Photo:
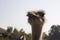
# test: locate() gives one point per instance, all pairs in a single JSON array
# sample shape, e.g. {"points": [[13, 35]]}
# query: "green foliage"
{"points": [[54, 33], [9, 29], [15, 33], [28, 37], [45, 36]]}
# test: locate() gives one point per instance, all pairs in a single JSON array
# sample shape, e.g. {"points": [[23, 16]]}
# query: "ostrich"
{"points": [[36, 20]]}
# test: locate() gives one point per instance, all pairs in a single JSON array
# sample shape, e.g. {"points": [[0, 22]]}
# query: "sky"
{"points": [[13, 13]]}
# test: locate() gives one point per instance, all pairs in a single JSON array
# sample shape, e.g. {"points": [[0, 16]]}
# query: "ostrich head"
{"points": [[36, 15]]}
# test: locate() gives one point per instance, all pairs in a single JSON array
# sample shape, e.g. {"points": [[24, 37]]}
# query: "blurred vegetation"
{"points": [[14, 34], [54, 33]]}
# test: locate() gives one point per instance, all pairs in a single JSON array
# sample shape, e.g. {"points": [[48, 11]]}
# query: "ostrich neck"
{"points": [[36, 31]]}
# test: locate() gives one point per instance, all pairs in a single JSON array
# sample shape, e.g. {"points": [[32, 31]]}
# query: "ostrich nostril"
{"points": [[28, 14]]}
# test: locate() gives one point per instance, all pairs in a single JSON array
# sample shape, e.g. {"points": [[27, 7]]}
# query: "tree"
{"points": [[9, 29], [45, 36], [15, 31], [28, 36], [22, 32], [54, 33]]}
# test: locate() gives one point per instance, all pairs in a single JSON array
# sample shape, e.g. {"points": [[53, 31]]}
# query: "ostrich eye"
{"points": [[41, 14]]}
